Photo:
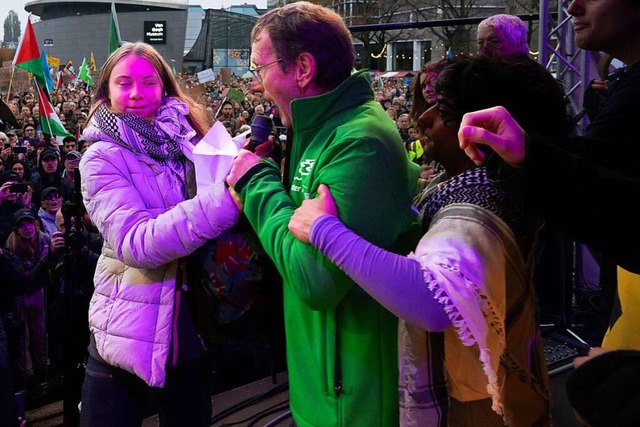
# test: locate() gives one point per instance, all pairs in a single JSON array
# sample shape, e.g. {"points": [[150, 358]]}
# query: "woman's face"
{"points": [[428, 86], [135, 87], [19, 169], [27, 229]]}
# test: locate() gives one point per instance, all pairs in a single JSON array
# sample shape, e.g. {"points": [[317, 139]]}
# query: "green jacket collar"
{"points": [[314, 110]]}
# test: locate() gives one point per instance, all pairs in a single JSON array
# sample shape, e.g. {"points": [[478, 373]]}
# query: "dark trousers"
{"points": [[112, 397]]}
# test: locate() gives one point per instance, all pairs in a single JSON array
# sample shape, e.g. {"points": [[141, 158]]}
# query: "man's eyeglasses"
{"points": [[255, 70]]}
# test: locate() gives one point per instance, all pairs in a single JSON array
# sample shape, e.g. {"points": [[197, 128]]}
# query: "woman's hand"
{"points": [[302, 220]]}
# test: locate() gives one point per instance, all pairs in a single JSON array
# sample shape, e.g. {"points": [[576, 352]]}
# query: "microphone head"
{"points": [[261, 128]]}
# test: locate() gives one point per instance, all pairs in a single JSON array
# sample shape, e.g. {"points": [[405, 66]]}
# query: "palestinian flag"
{"points": [[49, 120], [28, 55]]}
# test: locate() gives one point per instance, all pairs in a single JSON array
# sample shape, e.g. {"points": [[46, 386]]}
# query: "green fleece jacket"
{"points": [[341, 344]]}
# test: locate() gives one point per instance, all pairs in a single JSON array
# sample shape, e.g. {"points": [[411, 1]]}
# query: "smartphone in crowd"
{"points": [[19, 187]]}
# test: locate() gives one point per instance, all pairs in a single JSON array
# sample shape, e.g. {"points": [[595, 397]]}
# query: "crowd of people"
{"points": [[414, 304]]}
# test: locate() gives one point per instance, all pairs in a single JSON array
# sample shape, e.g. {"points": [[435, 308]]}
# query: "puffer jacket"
{"points": [[148, 225]]}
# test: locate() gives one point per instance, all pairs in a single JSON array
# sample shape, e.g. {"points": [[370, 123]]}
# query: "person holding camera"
{"points": [[71, 264], [14, 195]]}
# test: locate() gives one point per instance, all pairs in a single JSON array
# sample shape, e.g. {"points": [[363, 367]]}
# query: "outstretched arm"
{"points": [[395, 281]]}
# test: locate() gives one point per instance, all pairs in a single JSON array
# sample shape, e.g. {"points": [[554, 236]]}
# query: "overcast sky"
{"points": [[18, 7]]}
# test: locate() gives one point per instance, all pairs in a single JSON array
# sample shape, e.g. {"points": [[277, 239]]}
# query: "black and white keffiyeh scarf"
{"points": [[475, 187], [159, 139]]}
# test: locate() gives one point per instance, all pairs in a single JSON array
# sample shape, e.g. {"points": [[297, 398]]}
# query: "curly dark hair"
{"points": [[535, 99]]}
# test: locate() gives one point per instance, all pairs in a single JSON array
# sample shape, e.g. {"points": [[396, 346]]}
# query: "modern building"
{"points": [[224, 40], [73, 29]]}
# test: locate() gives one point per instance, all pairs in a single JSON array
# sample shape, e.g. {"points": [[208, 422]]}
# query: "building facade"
{"points": [[72, 30]]}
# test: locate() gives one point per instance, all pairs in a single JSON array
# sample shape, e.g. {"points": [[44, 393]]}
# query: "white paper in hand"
{"points": [[213, 156]]}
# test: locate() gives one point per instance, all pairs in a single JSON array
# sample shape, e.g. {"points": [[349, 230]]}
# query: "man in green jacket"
{"points": [[341, 344]]}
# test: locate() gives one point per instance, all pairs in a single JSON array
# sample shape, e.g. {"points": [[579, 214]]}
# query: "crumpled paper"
{"points": [[214, 154]]}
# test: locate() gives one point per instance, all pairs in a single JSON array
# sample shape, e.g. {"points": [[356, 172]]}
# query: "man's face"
{"points": [[604, 25], [69, 146], [277, 86], [30, 131], [403, 122], [493, 44], [50, 165], [440, 135], [227, 110]]}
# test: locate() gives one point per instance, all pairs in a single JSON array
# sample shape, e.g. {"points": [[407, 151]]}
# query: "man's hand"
{"points": [[244, 161], [26, 198], [496, 128], [57, 243], [4, 190], [601, 86], [310, 210]]}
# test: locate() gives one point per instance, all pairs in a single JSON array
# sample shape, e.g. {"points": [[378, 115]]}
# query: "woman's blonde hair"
{"points": [[197, 116]]}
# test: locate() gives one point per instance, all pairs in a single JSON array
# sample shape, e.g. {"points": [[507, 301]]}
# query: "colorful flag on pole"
{"points": [[48, 81], [59, 80], [92, 64], [68, 70], [84, 74], [114, 31], [49, 120], [28, 55]]}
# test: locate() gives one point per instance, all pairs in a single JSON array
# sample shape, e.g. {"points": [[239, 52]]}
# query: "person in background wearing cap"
{"points": [[71, 162], [13, 137], [10, 202], [50, 175], [25, 246], [50, 203]]}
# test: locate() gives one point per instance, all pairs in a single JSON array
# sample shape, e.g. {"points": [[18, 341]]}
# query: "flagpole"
{"points": [[13, 69]]}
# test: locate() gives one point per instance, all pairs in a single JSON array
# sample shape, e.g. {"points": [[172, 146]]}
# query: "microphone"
{"points": [[261, 128]]}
